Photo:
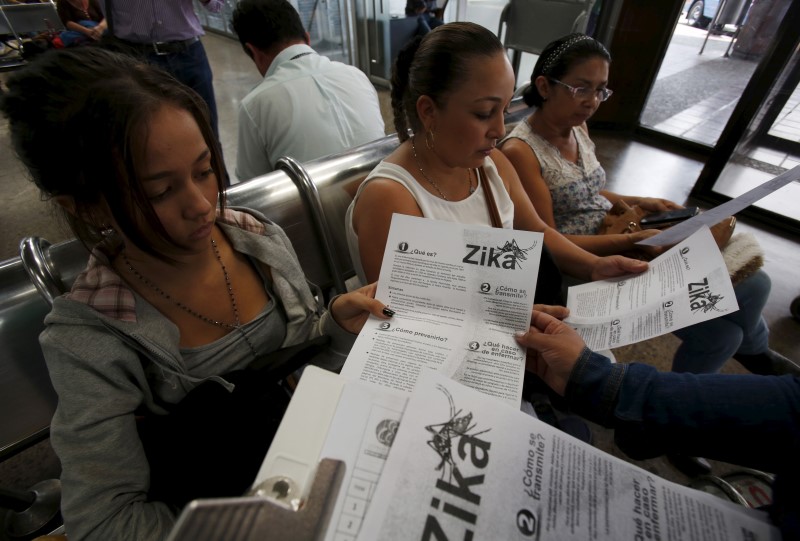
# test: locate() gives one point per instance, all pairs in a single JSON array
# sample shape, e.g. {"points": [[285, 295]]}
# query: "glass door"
{"points": [[762, 138], [714, 50], [372, 35], [727, 86]]}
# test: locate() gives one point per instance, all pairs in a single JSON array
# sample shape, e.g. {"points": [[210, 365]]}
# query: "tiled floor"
{"points": [[704, 121], [716, 85], [787, 125]]}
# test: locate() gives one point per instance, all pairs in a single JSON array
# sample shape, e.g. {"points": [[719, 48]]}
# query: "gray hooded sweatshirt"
{"points": [[95, 340]]}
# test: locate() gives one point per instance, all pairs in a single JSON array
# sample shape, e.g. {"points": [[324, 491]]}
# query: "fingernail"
{"points": [[520, 334], [388, 312]]}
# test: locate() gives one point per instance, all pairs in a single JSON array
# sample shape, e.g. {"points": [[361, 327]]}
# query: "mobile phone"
{"points": [[668, 218]]}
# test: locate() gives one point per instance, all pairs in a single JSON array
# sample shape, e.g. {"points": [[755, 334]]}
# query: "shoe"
{"points": [[795, 308], [690, 466], [769, 363]]}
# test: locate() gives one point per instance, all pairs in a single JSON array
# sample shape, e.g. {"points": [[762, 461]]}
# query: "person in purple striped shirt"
{"points": [[167, 34]]}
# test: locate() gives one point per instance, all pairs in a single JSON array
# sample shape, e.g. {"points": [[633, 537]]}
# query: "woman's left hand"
{"points": [[616, 265], [352, 309]]}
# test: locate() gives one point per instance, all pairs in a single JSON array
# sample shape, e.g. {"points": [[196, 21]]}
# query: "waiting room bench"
{"points": [[327, 186], [27, 399], [29, 283], [308, 201]]}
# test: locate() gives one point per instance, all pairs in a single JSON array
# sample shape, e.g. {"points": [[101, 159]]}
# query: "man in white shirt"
{"points": [[307, 106]]}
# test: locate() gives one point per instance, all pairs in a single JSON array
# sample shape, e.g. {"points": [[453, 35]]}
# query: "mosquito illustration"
{"points": [[713, 300], [444, 434], [520, 254]]}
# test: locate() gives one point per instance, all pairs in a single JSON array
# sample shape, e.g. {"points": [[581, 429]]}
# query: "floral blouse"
{"points": [[578, 207]]}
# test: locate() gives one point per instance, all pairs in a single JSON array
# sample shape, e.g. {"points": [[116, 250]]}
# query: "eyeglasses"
{"points": [[585, 93]]}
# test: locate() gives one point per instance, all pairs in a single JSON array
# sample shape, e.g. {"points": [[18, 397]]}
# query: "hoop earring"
{"points": [[430, 142]]}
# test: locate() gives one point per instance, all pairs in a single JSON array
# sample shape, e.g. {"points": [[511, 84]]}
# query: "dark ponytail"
{"points": [[400, 71], [434, 66]]}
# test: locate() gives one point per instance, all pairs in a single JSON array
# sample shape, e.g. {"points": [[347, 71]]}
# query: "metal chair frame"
{"points": [[531, 24]]}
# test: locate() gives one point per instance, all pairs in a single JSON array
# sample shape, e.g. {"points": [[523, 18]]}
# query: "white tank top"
{"points": [[472, 210]]}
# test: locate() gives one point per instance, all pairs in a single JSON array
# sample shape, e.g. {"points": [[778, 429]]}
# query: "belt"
{"points": [[162, 48]]}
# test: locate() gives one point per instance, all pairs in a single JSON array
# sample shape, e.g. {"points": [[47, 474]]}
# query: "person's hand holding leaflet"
{"points": [[553, 349], [352, 309]]}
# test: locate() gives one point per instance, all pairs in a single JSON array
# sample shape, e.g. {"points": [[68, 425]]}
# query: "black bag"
{"points": [[212, 443], [549, 281], [34, 47]]}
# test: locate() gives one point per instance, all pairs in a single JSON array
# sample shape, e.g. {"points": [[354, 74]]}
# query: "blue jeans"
{"points": [[192, 69], [706, 346], [72, 38]]}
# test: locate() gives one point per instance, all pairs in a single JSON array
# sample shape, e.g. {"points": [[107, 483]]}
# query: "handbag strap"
{"points": [[548, 285], [494, 214]]}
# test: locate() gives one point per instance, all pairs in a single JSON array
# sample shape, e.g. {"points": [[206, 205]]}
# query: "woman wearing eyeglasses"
{"points": [[555, 160], [553, 154]]}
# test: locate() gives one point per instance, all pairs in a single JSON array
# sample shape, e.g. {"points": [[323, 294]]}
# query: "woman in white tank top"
{"points": [[451, 88]]}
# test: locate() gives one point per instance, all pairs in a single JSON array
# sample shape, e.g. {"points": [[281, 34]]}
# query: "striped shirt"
{"points": [[147, 21]]}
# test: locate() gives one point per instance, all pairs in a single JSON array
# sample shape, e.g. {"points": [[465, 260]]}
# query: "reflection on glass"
{"points": [[707, 65], [770, 146], [694, 94]]}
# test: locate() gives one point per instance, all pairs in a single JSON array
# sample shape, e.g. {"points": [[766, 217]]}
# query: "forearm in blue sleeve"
{"points": [[593, 387], [745, 419]]}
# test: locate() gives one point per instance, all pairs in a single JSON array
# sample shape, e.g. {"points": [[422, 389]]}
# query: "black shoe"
{"points": [[690, 466], [795, 308], [769, 363]]}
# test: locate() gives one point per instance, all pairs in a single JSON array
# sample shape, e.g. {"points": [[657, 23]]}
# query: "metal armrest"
{"points": [[34, 253]]}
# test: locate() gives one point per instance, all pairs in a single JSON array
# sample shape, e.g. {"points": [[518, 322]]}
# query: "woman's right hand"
{"points": [[351, 310], [553, 349]]}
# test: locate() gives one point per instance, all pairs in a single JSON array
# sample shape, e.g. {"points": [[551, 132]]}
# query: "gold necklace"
{"points": [[436, 186]]}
